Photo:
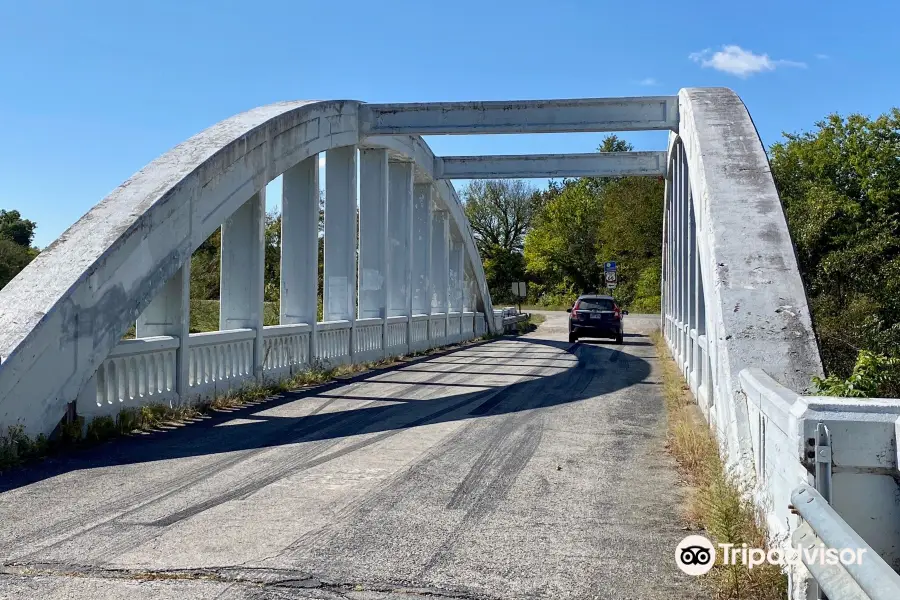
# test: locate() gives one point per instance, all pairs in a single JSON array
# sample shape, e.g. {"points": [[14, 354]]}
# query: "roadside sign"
{"points": [[519, 289], [609, 271]]}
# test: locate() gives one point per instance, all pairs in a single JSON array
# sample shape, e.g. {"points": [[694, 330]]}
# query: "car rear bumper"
{"points": [[609, 331]]}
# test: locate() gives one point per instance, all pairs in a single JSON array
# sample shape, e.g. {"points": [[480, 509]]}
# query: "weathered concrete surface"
{"points": [[68, 308], [525, 467], [594, 164], [520, 116]]}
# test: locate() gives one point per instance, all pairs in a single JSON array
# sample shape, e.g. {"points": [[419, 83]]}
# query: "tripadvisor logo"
{"points": [[696, 555]]}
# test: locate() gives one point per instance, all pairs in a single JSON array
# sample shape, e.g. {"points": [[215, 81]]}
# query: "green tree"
{"points": [[16, 229], [840, 188], [16, 252], [613, 143], [500, 212], [582, 223]]}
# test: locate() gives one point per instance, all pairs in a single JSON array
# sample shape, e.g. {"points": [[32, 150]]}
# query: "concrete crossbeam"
{"points": [[596, 164], [524, 116]]}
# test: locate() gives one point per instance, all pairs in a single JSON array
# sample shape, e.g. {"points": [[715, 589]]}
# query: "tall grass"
{"points": [[717, 501]]}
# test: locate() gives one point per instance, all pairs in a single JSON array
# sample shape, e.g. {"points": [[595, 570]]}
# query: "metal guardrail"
{"points": [[869, 578]]}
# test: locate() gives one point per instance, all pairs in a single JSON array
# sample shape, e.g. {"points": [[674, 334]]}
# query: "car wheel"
{"points": [[619, 339], [573, 338]]}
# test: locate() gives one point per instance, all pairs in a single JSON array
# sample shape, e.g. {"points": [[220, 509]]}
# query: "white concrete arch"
{"points": [[66, 312], [729, 264]]}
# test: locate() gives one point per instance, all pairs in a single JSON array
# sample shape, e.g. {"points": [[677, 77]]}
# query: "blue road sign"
{"points": [[610, 266]]}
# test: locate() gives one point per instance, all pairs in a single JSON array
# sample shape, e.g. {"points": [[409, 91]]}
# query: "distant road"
{"points": [[523, 467]]}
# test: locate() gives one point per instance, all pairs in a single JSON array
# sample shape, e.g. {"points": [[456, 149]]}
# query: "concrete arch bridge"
{"points": [[735, 312]]}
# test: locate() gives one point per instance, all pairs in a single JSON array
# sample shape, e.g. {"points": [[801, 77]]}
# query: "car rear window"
{"points": [[595, 304]]}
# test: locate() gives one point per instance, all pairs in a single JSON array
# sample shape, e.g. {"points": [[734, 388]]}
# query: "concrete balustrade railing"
{"points": [[143, 371], [395, 335], [333, 342], [418, 333], [368, 337], [286, 349], [136, 372]]}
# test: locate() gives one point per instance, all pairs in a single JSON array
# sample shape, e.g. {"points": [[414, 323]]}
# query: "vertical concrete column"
{"points": [[373, 234], [400, 243], [692, 289], [456, 275], [679, 268], [667, 293], [683, 266], [242, 266], [663, 257], [440, 265], [169, 313], [421, 255], [676, 250], [468, 297], [400, 232], [300, 247], [340, 234]]}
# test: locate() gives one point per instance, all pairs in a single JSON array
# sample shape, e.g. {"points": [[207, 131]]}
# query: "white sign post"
{"points": [[519, 290]]}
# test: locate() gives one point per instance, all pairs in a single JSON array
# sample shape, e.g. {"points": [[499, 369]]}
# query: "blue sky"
{"points": [[92, 91]]}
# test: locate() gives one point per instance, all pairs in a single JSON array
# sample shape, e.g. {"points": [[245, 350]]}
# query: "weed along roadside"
{"points": [[716, 503], [18, 449]]}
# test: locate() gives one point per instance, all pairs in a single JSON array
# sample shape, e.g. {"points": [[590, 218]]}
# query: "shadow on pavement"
{"points": [[602, 368]]}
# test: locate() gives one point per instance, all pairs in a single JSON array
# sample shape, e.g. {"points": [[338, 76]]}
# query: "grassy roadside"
{"points": [[536, 320], [716, 502], [18, 449]]}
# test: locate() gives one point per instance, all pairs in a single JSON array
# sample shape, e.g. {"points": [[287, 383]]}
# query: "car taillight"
{"points": [[575, 310], [617, 314]]}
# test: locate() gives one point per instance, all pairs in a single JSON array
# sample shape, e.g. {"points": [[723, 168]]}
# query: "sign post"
{"points": [[610, 274], [519, 290]]}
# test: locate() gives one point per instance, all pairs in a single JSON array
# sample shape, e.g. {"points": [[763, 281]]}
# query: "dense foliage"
{"points": [[500, 212], [16, 252], [582, 223], [840, 187]]}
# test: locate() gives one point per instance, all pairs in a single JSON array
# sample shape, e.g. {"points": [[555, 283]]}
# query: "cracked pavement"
{"points": [[525, 467]]}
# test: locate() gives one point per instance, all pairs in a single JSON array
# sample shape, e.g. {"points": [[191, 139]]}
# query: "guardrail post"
{"points": [[823, 461]]}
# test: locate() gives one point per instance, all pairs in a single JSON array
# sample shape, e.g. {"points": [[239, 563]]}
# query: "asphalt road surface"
{"points": [[525, 467]]}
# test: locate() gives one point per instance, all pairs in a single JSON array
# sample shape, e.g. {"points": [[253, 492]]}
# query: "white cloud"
{"points": [[822, 56], [734, 60], [648, 81], [321, 159]]}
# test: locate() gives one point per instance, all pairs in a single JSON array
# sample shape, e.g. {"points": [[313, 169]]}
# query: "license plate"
{"points": [[597, 316]]}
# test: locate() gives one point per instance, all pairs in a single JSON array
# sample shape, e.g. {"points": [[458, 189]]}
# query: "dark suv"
{"points": [[595, 316]]}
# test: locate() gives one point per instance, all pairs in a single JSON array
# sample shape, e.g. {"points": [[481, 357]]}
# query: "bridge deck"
{"points": [[514, 468]]}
